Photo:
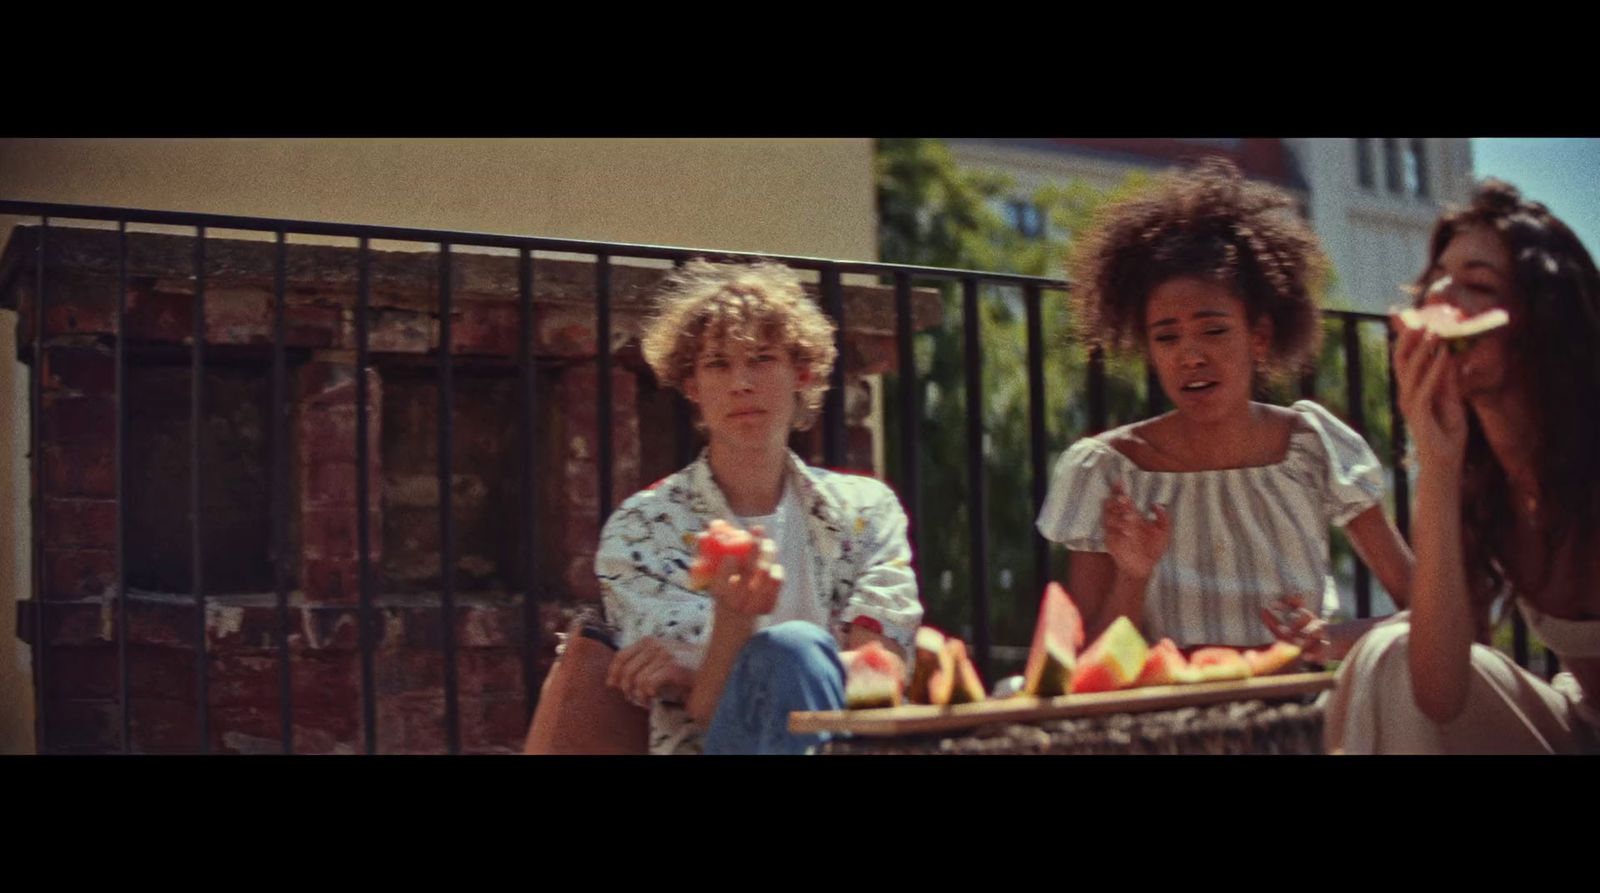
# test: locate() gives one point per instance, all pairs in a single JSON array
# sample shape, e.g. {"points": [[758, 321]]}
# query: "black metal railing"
{"points": [[1034, 291]]}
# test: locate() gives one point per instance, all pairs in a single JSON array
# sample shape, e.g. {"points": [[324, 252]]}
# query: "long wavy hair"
{"points": [[1553, 352]]}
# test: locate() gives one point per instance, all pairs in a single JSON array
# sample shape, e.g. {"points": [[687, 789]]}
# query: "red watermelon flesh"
{"points": [[873, 678], [876, 658], [1165, 666], [1114, 661], [1448, 322], [720, 540], [1217, 664], [1092, 677], [1057, 636], [1266, 661]]}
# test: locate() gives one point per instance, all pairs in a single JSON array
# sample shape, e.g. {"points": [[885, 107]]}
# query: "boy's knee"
{"points": [[788, 642]]}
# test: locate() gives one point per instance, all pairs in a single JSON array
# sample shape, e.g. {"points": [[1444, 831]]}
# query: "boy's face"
{"points": [[746, 393]]}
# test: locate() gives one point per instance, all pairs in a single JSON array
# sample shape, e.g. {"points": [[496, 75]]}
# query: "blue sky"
{"points": [[1562, 173]]}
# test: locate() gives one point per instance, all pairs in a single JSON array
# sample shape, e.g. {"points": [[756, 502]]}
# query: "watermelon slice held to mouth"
{"points": [[1447, 322], [720, 540]]}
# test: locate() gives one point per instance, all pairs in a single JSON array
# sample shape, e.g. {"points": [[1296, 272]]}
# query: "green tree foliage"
{"points": [[934, 213]]}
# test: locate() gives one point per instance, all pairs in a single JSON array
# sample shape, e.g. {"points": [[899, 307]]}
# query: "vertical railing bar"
{"points": [[447, 550], [1397, 448], [834, 446], [1032, 301], [1306, 383], [1355, 409], [121, 470], [369, 694], [35, 461], [196, 538], [910, 414], [977, 507], [280, 490], [682, 414], [529, 457], [603, 420], [1098, 416], [1355, 406]]}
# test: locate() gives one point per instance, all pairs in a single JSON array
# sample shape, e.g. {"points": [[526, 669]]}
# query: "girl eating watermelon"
{"points": [[1508, 505], [736, 582], [1209, 524]]}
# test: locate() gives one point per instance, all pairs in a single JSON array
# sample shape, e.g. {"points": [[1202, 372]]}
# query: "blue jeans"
{"points": [[790, 666]]}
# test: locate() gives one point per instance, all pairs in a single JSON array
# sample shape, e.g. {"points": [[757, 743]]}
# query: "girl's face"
{"points": [[1474, 274], [1203, 346]]}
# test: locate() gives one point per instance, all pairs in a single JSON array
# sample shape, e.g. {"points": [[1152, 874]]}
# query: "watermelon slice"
{"points": [[720, 540], [873, 678], [1165, 666], [1056, 639], [1446, 321], [1114, 661], [929, 653], [968, 687], [1266, 661], [942, 681], [956, 681], [1219, 664]]}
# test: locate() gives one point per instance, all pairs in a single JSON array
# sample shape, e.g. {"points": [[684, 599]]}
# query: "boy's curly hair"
{"points": [[743, 303]]}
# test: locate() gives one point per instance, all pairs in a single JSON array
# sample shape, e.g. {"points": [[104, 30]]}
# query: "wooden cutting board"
{"points": [[916, 719]]}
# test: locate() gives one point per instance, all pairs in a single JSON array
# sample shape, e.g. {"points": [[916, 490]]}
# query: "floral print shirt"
{"points": [[861, 568]]}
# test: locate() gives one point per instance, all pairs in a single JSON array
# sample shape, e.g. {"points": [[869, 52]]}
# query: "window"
{"points": [[1026, 217], [1364, 164], [1393, 170], [1417, 169]]}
